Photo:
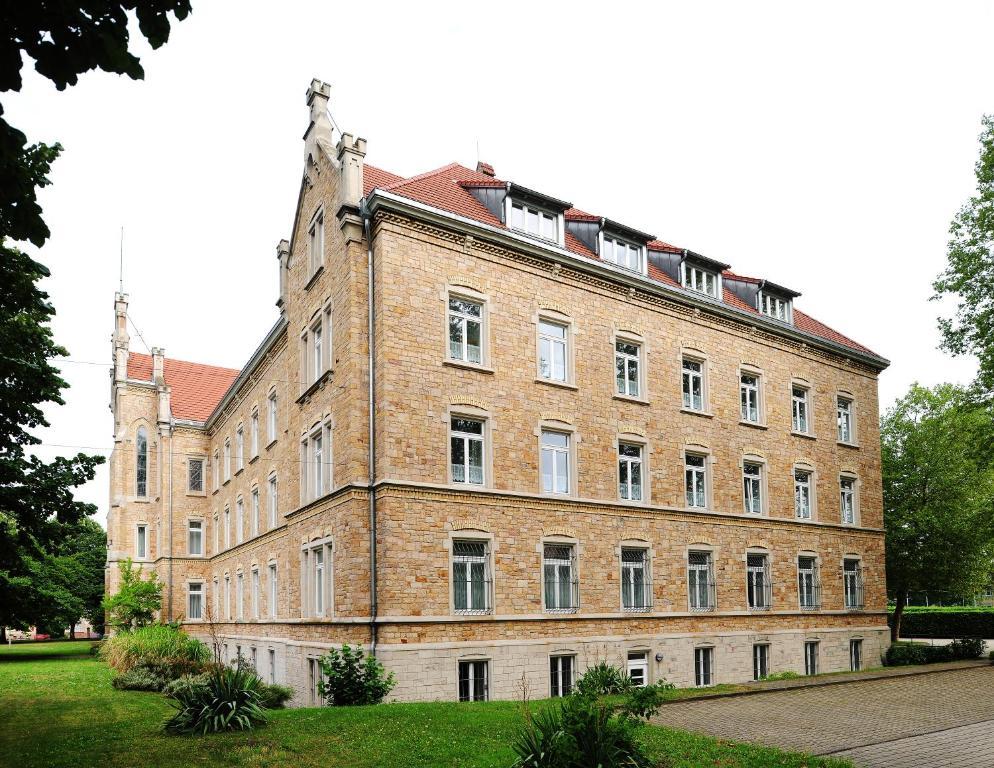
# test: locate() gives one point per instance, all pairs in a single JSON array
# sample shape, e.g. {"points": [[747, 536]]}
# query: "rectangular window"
{"points": [[466, 445], [255, 593], [561, 675], [317, 351], [847, 500], [272, 666], [627, 359], [552, 350], [465, 330], [227, 597], [217, 470], [811, 658], [752, 488], [630, 471], [317, 465], [695, 468], [799, 404], [473, 681], [470, 577], [240, 595], [749, 397], [636, 584], [141, 542], [271, 416], [559, 576], [638, 668], [195, 537], [227, 527], [239, 449], [555, 462], [274, 590], [844, 420], [317, 580], [760, 661], [808, 588], [700, 281], [217, 529], [315, 242], [855, 655], [700, 581], [693, 385], [227, 459], [775, 307], [623, 254], [272, 502], [703, 667], [195, 475], [802, 494], [316, 680], [758, 582], [255, 511], [195, 601], [852, 582], [239, 519], [254, 432], [534, 222]]}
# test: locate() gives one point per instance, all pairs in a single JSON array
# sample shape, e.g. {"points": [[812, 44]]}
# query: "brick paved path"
{"points": [[854, 716], [970, 746]]}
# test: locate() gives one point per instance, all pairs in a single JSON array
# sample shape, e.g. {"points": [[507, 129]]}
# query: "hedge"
{"points": [[946, 623]]}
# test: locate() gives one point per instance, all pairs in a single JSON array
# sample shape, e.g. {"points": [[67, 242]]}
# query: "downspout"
{"points": [[171, 516], [372, 431]]}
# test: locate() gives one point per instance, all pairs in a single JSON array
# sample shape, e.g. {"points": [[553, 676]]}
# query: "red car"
{"points": [[42, 637]]}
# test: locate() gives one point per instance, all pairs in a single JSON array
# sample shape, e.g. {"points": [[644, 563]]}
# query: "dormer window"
{"points": [[775, 307], [623, 254], [700, 280], [534, 222]]}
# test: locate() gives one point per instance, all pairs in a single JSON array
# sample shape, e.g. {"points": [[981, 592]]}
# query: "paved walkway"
{"points": [[870, 721]]}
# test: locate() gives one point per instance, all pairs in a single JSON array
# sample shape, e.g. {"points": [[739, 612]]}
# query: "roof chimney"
{"points": [[320, 125], [158, 353], [485, 168], [351, 154]]}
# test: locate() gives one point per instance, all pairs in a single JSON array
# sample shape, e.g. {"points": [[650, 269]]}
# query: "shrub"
{"points": [[967, 648], [643, 702], [991, 657], [166, 649], [902, 654], [350, 677], [603, 679], [273, 696], [947, 622], [788, 675], [229, 701], [140, 678], [135, 603]]}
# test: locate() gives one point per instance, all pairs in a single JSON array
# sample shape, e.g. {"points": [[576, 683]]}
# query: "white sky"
{"points": [[825, 146]]}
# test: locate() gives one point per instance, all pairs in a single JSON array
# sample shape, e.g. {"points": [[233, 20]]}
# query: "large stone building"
{"points": [[568, 441]]}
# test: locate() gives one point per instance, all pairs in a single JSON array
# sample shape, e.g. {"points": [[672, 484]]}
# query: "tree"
{"points": [[36, 502], [136, 602], [938, 483], [969, 272]]}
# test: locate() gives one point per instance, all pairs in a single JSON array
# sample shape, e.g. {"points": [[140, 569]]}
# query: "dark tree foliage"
{"points": [[37, 509]]}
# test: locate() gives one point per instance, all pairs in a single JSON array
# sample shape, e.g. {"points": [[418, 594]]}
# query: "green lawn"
{"points": [[60, 710]]}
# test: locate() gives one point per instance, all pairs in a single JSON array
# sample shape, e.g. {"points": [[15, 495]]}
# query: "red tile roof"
{"points": [[445, 188], [195, 388]]}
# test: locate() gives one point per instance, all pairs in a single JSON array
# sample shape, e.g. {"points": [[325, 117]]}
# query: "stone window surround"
{"points": [[272, 609], [650, 554], [565, 428], [239, 519], [701, 546], [142, 428], [802, 382], [714, 664], [696, 355], [227, 527], [465, 410], [216, 471], [272, 422], [861, 570], [473, 534], [565, 540], [254, 433], [307, 611], [315, 261], [203, 474], [255, 510], [239, 454], [748, 369], [487, 659], [203, 535], [325, 426], [698, 449], [255, 598], [646, 651], [803, 465], [844, 394], [142, 522], [634, 438], [560, 653], [847, 473], [217, 534], [755, 457], [272, 517], [765, 551], [239, 598], [203, 598], [557, 316], [487, 311], [631, 336], [797, 569]]}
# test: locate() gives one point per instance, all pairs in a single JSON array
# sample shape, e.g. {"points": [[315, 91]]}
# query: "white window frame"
{"points": [[464, 320], [240, 595], [760, 661], [217, 469], [753, 482], [695, 480], [800, 409], [317, 595], [464, 586], [626, 466], [562, 673], [239, 448], [467, 439], [254, 431], [759, 582], [256, 591], [271, 415], [704, 666], [637, 668], [272, 500], [195, 526], [227, 526], [472, 667], [848, 498], [750, 397], [273, 572], [555, 452], [142, 548], [845, 415], [618, 251], [811, 657], [557, 564], [315, 242], [696, 279], [808, 583], [774, 306], [254, 495], [227, 459], [688, 375], [543, 216], [239, 520], [627, 361], [217, 534], [553, 342], [227, 596], [804, 493], [855, 654], [194, 589], [694, 571], [629, 568], [853, 587]]}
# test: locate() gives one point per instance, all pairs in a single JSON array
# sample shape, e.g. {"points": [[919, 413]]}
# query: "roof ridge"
{"points": [[187, 362], [420, 176]]}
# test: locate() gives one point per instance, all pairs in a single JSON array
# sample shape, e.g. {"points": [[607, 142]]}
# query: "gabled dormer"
{"points": [[611, 241], [769, 299], [521, 209]]}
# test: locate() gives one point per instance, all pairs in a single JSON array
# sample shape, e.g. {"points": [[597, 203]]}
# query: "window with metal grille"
{"points": [[852, 582], [703, 667], [465, 330], [627, 359], [700, 581], [470, 577], [466, 447], [811, 658], [855, 655], [195, 475], [752, 488], [561, 675], [760, 661], [474, 684], [636, 581], [693, 385], [808, 587], [630, 471], [559, 574], [695, 474], [759, 585], [141, 463], [749, 396]]}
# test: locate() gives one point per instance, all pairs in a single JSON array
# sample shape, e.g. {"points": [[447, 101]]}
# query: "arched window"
{"points": [[141, 463]]}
